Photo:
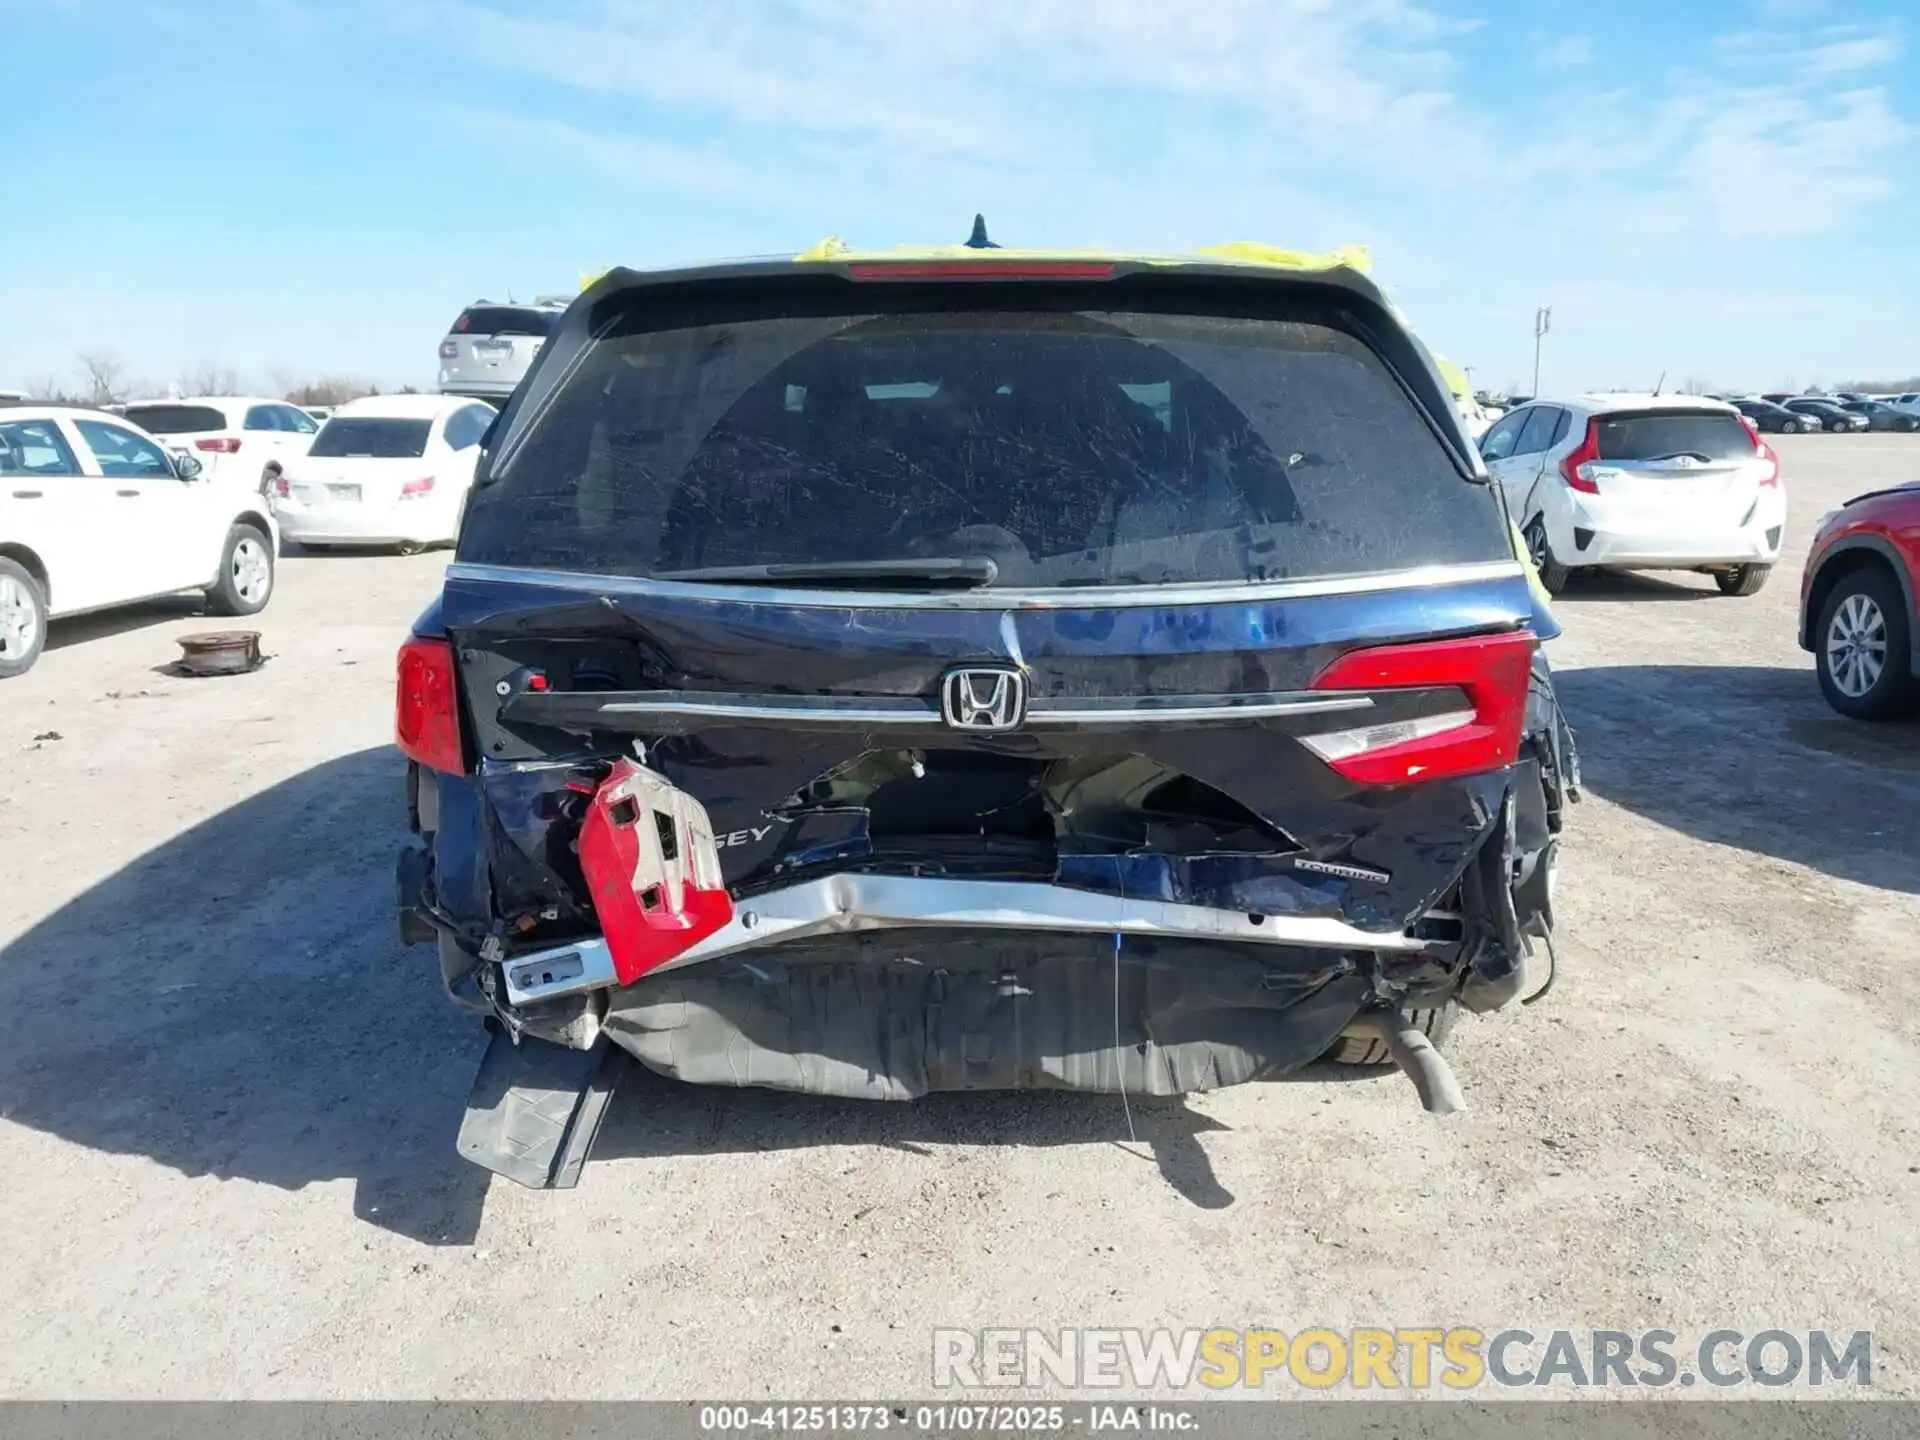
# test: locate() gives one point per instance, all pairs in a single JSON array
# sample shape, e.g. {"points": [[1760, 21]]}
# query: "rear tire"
{"points": [[1866, 606], [1553, 575], [1742, 579], [246, 574], [23, 620], [1366, 1050]]}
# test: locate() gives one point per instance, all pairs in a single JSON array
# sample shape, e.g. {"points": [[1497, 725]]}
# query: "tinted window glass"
{"points": [[465, 427], [296, 421], [262, 417], [121, 453], [1498, 442], [1539, 432], [176, 419], [1705, 435], [34, 447], [1071, 448], [504, 320], [369, 438]]}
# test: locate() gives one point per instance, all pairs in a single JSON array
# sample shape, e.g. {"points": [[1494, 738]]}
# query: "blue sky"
{"points": [[1723, 189]]}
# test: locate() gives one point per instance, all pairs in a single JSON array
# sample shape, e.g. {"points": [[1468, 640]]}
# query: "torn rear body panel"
{"points": [[848, 888], [1127, 683]]}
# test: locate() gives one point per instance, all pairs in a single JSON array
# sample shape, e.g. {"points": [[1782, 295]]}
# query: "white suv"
{"points": [[95, 513], [236, 437], [1640, 482]]}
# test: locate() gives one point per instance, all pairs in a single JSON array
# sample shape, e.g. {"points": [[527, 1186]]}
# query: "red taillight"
{"points": [[281, 487], [414, 489], [1493, 670], [219, 444], [1575, 469], [649, 859], [982, 270], [426, 720], [1770, 475]]}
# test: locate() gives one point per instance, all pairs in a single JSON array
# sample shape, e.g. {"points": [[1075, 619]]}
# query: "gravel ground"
{"points": [[230, 1096]]}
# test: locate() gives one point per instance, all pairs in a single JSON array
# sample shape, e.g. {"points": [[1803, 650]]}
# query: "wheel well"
{"points": [[254, 520], [32, 564], [1847, 562]]}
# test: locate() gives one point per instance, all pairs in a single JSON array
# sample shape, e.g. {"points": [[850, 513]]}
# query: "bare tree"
{"points": [[326, 390], [106, 376], [47, 388], [207, 378]]}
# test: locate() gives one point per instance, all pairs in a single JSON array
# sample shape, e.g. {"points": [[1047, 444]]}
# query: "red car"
{"points": [[1857, 605]]}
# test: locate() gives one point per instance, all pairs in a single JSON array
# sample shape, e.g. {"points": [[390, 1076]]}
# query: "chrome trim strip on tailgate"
{"points": [[1073, 598], [1080, 713], [840, 904]]}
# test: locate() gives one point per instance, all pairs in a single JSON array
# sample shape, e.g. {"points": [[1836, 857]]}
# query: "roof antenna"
{"points": [[978, 240], [1660, 384]]}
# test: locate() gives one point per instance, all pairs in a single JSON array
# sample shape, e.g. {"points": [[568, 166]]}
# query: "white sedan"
{"points": [[386, 470], [95, 513]]}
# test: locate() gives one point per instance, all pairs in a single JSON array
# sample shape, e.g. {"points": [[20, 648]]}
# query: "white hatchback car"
{"points": [[236, 437], [386, 470], [1640, 482], [95, 512]]}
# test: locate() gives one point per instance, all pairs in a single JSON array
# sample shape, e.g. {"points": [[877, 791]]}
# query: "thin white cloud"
{"points": [[1845, 56], [1033, 100], [1565, 52]]}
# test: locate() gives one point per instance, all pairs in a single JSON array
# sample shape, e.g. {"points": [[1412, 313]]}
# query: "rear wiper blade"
{"points": [[961, 572]]}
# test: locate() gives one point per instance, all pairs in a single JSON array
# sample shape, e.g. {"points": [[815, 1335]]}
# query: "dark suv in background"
{"points": [[874, 676], [492, 344]]}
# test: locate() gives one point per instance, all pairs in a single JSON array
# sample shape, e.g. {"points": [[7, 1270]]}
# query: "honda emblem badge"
{"points": [[984, 699]]}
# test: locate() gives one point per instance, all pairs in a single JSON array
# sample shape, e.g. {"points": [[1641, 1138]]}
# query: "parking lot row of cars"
{"points": [[1683, 482], [109, 506], [1781, 412]]}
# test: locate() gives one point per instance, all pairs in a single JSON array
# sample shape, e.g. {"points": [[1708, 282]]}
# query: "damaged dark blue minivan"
{"points": [[952, 670]]}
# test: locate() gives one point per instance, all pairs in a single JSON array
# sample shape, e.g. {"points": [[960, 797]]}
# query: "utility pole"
{"points": [[1542, 323]]}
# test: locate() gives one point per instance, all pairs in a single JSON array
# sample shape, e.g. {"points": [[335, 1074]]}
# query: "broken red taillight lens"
{"points": [[1577, 468], [1482, 735], [650, 862], [426, 719], [982, 270]]}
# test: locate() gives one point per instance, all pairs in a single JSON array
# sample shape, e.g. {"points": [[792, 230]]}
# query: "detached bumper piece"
{"points": [[535, 1109], [649, 859]]}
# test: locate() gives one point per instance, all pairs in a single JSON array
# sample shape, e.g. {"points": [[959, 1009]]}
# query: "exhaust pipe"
{"points": [[1418, 1057]]}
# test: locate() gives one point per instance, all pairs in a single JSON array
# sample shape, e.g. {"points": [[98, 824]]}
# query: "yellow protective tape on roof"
{"points": [[1455, 378], [1238, 252]]}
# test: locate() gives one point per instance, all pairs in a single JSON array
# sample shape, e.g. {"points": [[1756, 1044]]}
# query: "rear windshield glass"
{"points": [[374, 439], [1705, 435], [176, 419], [504, 320], [1071, 448]]}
